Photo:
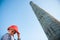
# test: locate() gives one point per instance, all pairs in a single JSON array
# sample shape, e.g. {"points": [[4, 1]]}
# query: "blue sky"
{"points": [[20, 13]]}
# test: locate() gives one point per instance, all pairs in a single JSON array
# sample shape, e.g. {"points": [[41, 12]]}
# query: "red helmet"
{"points": [[14, 27]]}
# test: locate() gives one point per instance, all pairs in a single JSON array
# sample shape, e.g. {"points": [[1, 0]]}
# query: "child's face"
{"points": [[11, 31]]}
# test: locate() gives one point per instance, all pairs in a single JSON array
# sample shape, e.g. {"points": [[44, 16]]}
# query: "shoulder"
{"points": [[6, 36]]}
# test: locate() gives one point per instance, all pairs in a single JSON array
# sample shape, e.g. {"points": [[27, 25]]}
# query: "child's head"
{"points": [[13, 29]]}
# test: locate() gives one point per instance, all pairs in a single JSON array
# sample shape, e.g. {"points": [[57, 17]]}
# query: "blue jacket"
{"points": [[7, 36]]}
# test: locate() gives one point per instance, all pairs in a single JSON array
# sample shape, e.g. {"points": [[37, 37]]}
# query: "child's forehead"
{"points": [[11, 29]]}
